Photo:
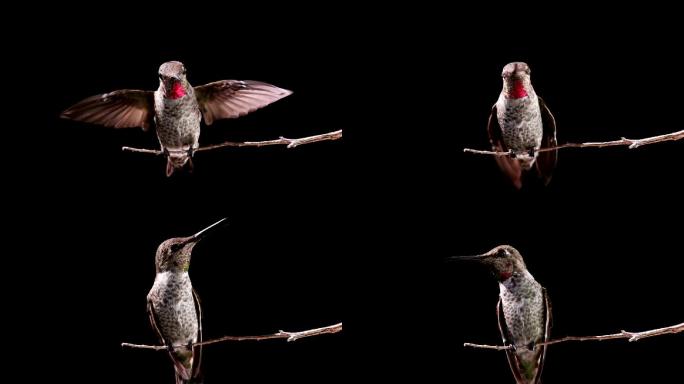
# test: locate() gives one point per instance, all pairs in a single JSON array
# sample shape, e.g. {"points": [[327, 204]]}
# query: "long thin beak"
{"points": [[206, 231], [467, 258]]}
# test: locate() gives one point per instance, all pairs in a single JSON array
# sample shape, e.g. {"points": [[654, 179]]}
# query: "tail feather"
{"points": [[169, 167], [173, 165], [183, 364], [192, 380]]}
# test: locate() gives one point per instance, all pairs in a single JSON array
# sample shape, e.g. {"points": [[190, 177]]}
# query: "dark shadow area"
{"points": [[354, 230]]}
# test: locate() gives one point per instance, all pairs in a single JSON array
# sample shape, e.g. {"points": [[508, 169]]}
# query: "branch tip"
{"points": [[630, 143], [631, 336]]}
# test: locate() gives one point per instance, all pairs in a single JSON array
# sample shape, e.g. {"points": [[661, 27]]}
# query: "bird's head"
{"points": [[503, 261], [174, 254], [172, 80], [516, 80]]}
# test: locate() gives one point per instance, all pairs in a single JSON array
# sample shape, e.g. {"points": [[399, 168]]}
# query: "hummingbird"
{"points": [[175, 109], [523, 311], [174, 307], [521, 122]]}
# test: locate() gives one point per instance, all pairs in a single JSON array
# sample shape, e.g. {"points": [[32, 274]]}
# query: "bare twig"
{"points": [[291, 143], [290, 336], [632, 143], [485, 346], [632, 336]]}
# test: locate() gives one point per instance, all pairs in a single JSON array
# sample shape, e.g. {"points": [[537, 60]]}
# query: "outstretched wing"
{"points": [[509, 166], [126, 108], [233, 98], [546, 161], [181, 370], [510, 354]]}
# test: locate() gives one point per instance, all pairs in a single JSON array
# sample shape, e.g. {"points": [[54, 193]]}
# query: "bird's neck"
{"points": [[176, 91], [505, 275], [516, 279], [172, 276], [175, 269], [517, 89]]}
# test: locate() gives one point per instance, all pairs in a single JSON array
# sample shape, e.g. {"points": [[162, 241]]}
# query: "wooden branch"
{"points": [[632, 143], [291, 143], [632, 336], [290, 336], [485, 346]]}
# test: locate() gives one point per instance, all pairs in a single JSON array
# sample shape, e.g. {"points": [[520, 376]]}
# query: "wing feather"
{"points": [[546, 161], [510, 167], [227, 99], [127, 108]]}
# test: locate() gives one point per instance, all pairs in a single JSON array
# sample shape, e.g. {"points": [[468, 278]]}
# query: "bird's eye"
{"points": [[161, 77]]}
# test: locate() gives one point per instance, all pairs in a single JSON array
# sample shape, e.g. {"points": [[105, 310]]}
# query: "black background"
{"points": [[354, 230]]}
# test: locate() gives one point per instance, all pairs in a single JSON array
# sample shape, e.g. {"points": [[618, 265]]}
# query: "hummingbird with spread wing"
{"points": [[521, 122], [523, 311], [175, 109], [174, 307]]}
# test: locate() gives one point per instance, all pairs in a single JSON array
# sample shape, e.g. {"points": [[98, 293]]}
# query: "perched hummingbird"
{"points": [[521, 122], [526, 316], [175, 109], [174, 308]]}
